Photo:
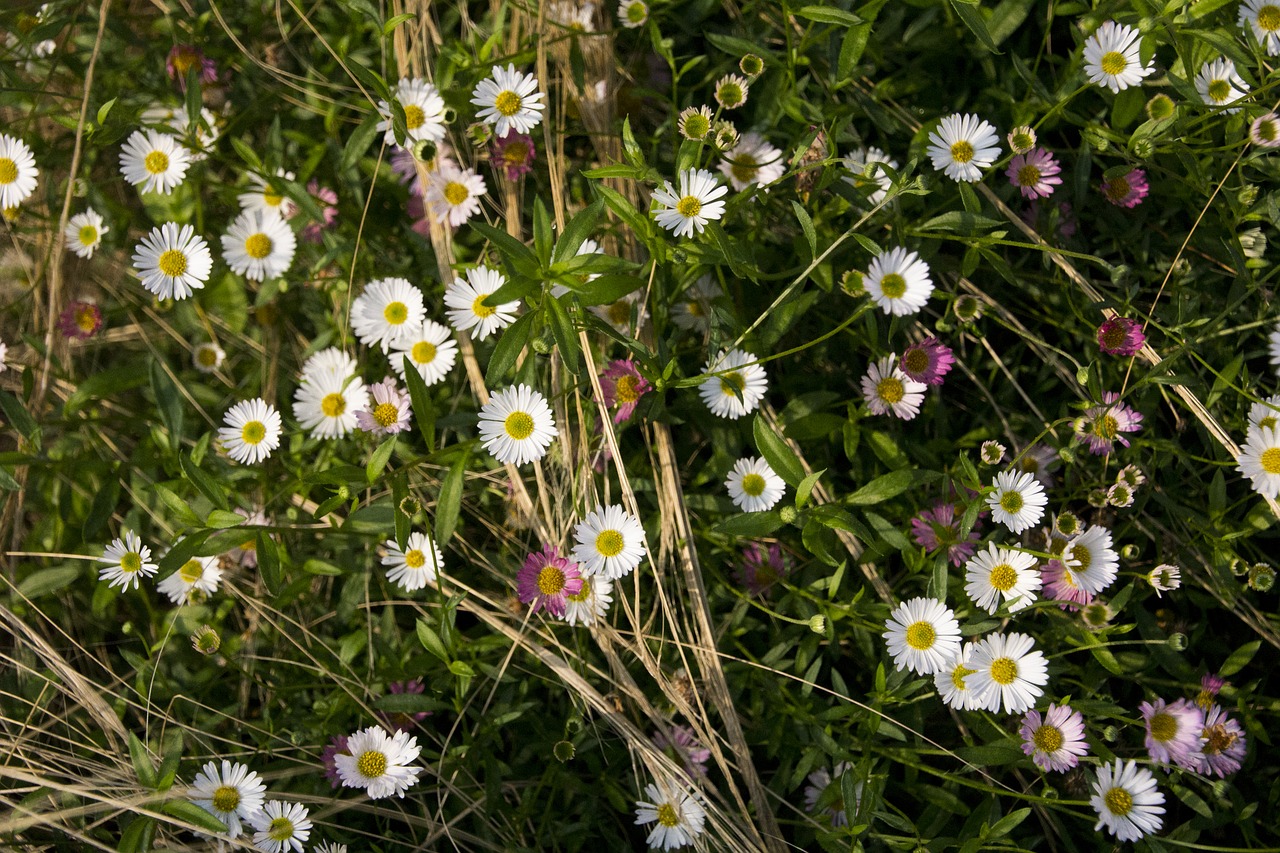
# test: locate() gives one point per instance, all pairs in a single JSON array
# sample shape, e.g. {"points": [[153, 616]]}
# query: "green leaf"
{"points": [[405, 703], [607, 289], [45, 581], [1239, 659], [138, 836], [805, 489], [449, 503], [888, 486], [104, 110], [806, 225], [543, 235], [142, 766], [358, 142], [972, 18], [104, 504], [511, 249], [378, 461], [577, 231], [17, 415], [221, 519], [370, 79], [431, 641], [420, 399], [829, 15], [780, 457], [202, 481], [753, 524], [630, 148], [562, 329], [1008, 823], [991, 755], [269, 562], [106, 384], [625, 211], [509, 347], [321, 568], [390, 26], [193, 814], [617, 170]]}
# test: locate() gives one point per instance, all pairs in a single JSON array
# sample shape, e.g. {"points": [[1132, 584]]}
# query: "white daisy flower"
{"points": [[330, 847], [18, 171], [1273, 348], [326, 402], [252, 431], [154, 161], [1007, 671], [863, 164], [922, 635], [231, 794], [385, 310], [417, 565], [572, 16], [962, 146], [198, 140], [1263, 17], [693, 309], [609, 542], [1219, 84], [677, 816], [736, 384], [1094, 564], [1127, 801], [430, 348], [379, 763], [632, 14], [173, 261], [953, 684], [1018, 500], [886, 389], [259, 245], [1001, 574], [1259, 460], [207, 357], [693, 207], [753, 485], [470, 310], [453, 194], [752, 161], [128, 559], [266, 194], [281, 827], [516, 425], [509, 100], [423, 112], [1264, 413], [198, 573], [590, 604], [329, 360], [899, 282], [1111, 57], [83, 232]]}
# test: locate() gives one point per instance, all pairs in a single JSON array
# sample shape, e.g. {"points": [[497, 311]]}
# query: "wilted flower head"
{"points": [[513, 154], [182, 58], [1265, 131], [762, 567], [938, 528], [80, 320], [991, 452]]}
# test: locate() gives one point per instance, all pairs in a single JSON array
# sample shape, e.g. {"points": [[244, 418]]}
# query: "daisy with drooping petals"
{"points": [[865, 172], [696, 204], [887, 390], [1120, 336], [207, 357], [259, 245], [281, 827], [1127, 801], [83, 232], [469, 307], [1259, 460], [1002, 574], [922, 635], [927, 361], [622, 386], [1219, 84], [430, 349], [423, 112], [128, 560], [591, 603], [417, 565], [326, 403], [546, 580], [674, 810], [1055, 741], [80, 320], [1009, 672], [608, 542], [1265, 131], [899, 282], [1093, 562], [1223, 749], [1173, 731], [1105, 424], [962, 146], [753, 485], [516, 425], [1111, 57], [1127, 190], [1035, 173], [380, 763], [633, 13], [453, 194], [18, 171], [266, 195], [231, 794], [952, 682], [173, 261], [1263, 17], [199, 574], [509, 100], [736, 384], [387, 309], [1017, 501], [154, 161], [252, 431], [388, 412], [752, 161]]}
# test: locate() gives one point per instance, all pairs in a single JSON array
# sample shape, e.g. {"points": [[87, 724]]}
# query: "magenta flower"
{"points": [[928, 361], [938, 528], [547, 580], [1126, 190], [513, 154], [680, 743], [1173, 731], [1223, 748], [388, 414], [400, 721], [1035, 173], [762, 567], [80, 320], [1120, 336], [1210, 686], [328, 757], [623, 386], [1059, 584], [182, 58], [1055, 741], [1103, 425], [328, 199]]}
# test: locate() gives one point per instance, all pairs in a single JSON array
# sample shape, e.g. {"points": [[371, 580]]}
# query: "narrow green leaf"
{"points": [[562, 329], [509, 247], [320, 567], [247, 154], [577, 231], [390, 26], [269, 562], [1239, 658], [752, 524], [625, 211], [17, 415], [221, 519], [193, 814], [806, 225], [138, 836], [972, 18], [829, 15], [431, 641], [630, 148], [8, 483], [142, 766], [378, 461], [509, 346], [420, 399], [607, 289], [46, 581], [449, 503], [888, 486], [1008, 823], [104, 110], [358, 142], [202, 481], [805, 489], [104, 504], [780, 457], [370, 79], [617, 170], [543, 236]]}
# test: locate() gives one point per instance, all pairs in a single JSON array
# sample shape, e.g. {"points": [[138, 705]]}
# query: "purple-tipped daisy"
{"points": [[327, 199], [1035, 173], [938, 528], [1173, 731], [388, 414], [1223, 747], [80, 320], [182, 58], [328, 757], [513, 154], [928, 361], [1055, 741], [1104, 425], [1120, 336], [1127, 190], [762, 567], [547, 580], [1059, 584], [622, 386]]}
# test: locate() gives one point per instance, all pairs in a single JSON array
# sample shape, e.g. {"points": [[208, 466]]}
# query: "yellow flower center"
{"points": [[1082, 555], [1003, 577], [1047, 738], [921, 635], [745, 168], [280, 829], [516, 153], [423, 352], [1267, 130], [893, 285], [226, 799], [1004, 671], [172, 263], [508, 103], [333, 405], [732, 384], [481, 308], [891, 390], [396, 313], [258, 246], [962, 151], [1118, 801], [1113, 63], [414, 117], [610, 543], [730, 94], [191, 572], [253, 432], [582, 594], [131, 563], [183, 61], [696, 126], [1028, 176], [636, 13], [519, 425], [207, 356], [86, 320], [916, 361], [386, 414], [456, 193], [1270, 460], [1116, 189], [88, 234], [753, 485], [156, 162], [551, 580], [371, 764], [959, 674], [271, 197], [8, 171], [414, 559], [688, 206], [695, 309], [1269, 18], [667, 815], [1218, 90], [620, 312], [1011, 501], [1164, 727], [625, 389]]}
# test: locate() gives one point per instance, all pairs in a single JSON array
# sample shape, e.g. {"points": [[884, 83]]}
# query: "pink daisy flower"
{"points": [[762, 567], [546, 581], [1104, 425], [1210, 686], [328, 199], [680, 743], [1173, 731], [388, 413], [182, 58], [80, 320], [1055, 741], [1120, 336], [1223, 748], [1035, 173], [513, 154], [937, 528], [623, 386], [1059, 584], [928, 361], [1126, 190], [329, 758]]}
